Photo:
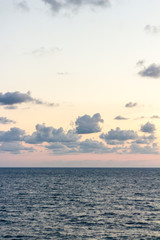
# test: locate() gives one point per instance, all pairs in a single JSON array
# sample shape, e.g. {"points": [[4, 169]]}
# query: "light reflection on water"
{"points": [[79, 203]]}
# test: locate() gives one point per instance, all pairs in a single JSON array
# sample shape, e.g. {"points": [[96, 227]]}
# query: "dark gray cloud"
{"points": [[87, 124], [119, 135], [120, 118], [152, 71], [145, 139], [22, 5], [131, 105], [148, 128], [4, 120], [135, 148], [57, 5], [92, 146], [152, 29], [59, 148], [14, 134], [12, 98], [50, 134], [155, 117], [14, 148]]}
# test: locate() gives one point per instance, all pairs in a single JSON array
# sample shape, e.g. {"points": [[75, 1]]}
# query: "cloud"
{"points": [[135, 148], [120, 118], [57, 5], [41, 51], [155, 117], [131, 105], [145, 139], [152, 71], [140, 63], [152, 29], [14, 148], [4, 120], [23, 5], [14, 134], [12, 98], [92, 146], [50, 134], [87, 124], [11, 107], [142, 117], [59, 148], [148, 128], [87, 146], [118, 135]]}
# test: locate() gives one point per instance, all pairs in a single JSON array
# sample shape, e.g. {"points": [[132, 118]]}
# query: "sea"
{"points": [[79, 203]]}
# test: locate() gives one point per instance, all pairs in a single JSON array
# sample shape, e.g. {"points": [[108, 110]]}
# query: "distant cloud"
{"points": [[152, 29], [155, 117], [11, 107], [63, 73], [50, 134], [12, 98], [86, 146], [119, 135], [148, 128], [140, 63], [4, 120], [23, 5], [57, 6], [87, 124], [152, 71], [138, 118], [41, 51], [120, 118], [145, 139], [92, 146], [135, 148], [14, 148], [131, 105]]}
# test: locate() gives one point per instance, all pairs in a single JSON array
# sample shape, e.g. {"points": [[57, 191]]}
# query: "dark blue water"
{"points": [[79, 203]]}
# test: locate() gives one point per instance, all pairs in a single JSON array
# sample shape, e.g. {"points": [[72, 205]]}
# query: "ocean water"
{"points": [[79, 203]]}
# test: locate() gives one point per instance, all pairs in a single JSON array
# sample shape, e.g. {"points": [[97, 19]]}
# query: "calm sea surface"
{"points": [[79, 203]]}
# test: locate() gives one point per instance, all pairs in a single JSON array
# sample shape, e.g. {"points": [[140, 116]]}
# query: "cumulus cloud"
{"points": [[87, 124], [135, 148], [152, 71], [148, 128], [4, 120], [12, 98], [14, 148], [131, 105], [152, 29], [119, 135], [50, 134], [14, 134], [120, 118], [57, 5]]}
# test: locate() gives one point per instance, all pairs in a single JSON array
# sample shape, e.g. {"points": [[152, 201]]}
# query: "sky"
{"points": [[80, 83]]}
